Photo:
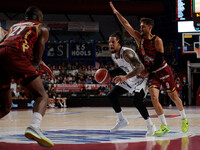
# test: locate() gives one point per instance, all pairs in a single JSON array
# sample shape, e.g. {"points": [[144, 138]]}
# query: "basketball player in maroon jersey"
{"points": [[151, 53], [20, 58]]}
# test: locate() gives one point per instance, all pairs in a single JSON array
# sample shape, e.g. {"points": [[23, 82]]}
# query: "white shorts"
{"points": [[136, 85]]}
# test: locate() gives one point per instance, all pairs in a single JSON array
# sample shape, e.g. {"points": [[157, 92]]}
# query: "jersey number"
{"points": [[17, 30]]}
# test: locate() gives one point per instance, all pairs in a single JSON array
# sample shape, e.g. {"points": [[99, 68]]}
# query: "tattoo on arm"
{"points": [[131, 58]]}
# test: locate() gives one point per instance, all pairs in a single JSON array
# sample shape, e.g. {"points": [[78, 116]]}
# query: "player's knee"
{"points": [[154, 98], [174, 96]]}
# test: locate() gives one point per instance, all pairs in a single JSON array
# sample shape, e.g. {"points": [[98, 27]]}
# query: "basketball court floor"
{"points": [[87, 128]]}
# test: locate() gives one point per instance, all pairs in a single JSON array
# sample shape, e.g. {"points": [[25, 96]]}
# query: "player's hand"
{"points": [[119, 79], [143, 74], [113, 8], [45, 69]]}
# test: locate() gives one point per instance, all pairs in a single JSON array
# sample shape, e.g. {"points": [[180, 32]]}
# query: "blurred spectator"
{"points": [[13, 93], [52, 97], [74, 80], [23, 94], [60, 101], [82, 79], [63, 72], [81, 70], [83, 91], [13, 85], [77, 65], [17, 94], [56, 71], [69, 70], [76, 76], [74, 70], [179, 87], [88, 80], [101, 91], [174, 63], [69, 77]]}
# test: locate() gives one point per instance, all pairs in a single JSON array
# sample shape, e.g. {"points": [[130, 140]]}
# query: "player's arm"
{"points": [[157, 62], [134, 33], [43, 35], [131, 58]]}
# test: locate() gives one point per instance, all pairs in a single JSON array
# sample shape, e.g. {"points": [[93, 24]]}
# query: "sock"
{"points": [[162, 119], [120, 116], [36, 120], [149, 122], [182, 113]]}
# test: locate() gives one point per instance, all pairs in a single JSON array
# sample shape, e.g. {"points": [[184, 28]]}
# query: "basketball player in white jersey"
{"points": [[2, 33], [129, 68]]}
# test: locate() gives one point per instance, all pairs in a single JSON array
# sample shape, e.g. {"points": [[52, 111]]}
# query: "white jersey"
{"points": [[2, 33], [133, 84]]}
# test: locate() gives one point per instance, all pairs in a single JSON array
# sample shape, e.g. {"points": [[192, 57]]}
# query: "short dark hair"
{"points": [[118, 37], [147, 21], [32, 13]]}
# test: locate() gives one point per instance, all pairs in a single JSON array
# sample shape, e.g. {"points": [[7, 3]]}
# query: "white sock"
{"points": [[120, 116], [149, 122], [182, 113], [162, 119], [36, 120]]}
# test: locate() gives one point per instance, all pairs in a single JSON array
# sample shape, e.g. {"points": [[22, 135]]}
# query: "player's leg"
{"points": [[169, 85], [154, 92], [35, 87], [174, 96], [5, 92], [5, 101], [139, 104], [113, 96]]}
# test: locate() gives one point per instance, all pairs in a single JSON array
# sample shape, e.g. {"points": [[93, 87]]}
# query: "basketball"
{"points": [[102, 76]]}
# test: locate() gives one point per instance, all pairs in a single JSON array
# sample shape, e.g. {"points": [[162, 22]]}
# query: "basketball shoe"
{"points": [[120, 124], [151, 130], [36, 134], [185, 125], [163, 130]]}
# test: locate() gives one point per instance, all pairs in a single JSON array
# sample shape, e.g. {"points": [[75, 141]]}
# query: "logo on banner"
{"points": [[84, 50], [56, 50]]}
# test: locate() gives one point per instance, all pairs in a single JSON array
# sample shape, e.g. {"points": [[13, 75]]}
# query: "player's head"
{"points": [[146, 25], [33, 13], [115, 42]]}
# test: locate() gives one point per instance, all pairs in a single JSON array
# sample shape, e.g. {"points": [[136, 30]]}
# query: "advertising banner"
{"points": [[62, 88]]}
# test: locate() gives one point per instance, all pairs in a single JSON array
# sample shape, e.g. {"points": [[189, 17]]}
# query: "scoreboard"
{"points": [[184, 9], [188, 10]]}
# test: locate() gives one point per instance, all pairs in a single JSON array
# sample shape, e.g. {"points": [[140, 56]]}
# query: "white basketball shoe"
{"points": [[151, 130], [120, 124]]}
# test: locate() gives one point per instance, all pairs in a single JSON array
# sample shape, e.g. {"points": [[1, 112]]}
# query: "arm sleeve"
{"points": [[157, 61], [116, 72]]}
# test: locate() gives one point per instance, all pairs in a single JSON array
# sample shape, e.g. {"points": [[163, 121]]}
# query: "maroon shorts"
{"points": [[162, 77], [14, 64]]}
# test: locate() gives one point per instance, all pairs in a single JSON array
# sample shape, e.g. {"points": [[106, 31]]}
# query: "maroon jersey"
{"points": [[22, 36], [147, 52], [16, 53]]}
